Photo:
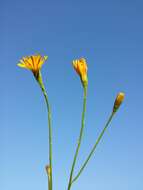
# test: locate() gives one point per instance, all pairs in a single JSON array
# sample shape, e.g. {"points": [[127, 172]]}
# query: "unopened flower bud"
{"points": [[118, 101], [80, 66]]}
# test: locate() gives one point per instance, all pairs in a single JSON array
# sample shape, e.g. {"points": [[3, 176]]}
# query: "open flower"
{"points": [[81, 68], [118, 101], [33, 63]]}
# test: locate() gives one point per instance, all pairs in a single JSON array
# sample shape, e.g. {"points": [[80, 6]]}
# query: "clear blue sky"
{"points": [[109, 34]]}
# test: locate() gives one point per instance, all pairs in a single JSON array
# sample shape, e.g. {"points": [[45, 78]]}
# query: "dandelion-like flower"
{"points": [[33, 63], [118, 101], [81, 68]]}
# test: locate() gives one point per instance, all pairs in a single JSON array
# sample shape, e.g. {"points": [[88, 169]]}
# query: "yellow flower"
{"points": [[81, 68], [33, 63], [118, 101]]}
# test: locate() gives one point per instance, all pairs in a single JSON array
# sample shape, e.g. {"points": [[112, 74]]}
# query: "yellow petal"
{"points": [[21, 65], [75, 65]]}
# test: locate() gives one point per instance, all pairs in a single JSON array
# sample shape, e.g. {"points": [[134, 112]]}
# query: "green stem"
{"points": [[49, 184], [94, 147], [49, 126], [80, 137]]}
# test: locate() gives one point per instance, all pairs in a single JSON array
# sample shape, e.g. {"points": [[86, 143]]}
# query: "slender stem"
{"points": [[80, 137], [49, 184], [49, 127], [94, 147]]}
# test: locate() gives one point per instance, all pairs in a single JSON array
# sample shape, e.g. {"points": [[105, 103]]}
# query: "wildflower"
{"points": [[33, 63], [81, 68], [118, 101]]}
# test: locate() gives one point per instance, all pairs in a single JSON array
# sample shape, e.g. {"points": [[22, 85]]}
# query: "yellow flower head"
{"points": [[118, 101], [33, 63], [81, 68]]}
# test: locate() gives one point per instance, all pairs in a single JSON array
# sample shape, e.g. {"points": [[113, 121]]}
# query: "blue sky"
{"points": [[109, 34]]}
